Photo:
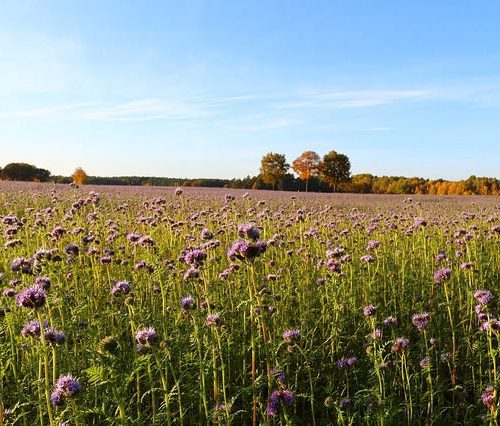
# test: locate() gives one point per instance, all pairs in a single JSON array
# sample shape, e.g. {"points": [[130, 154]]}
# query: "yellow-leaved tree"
{"points": [[79, 176]]}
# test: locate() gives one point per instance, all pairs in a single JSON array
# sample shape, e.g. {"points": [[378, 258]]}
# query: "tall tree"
{"points": [[273, 168], [307, 166], [24, 172], [335, 169], [79, 176]]}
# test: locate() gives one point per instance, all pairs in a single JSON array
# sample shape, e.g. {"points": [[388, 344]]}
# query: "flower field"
{"points": [[156, 306]]}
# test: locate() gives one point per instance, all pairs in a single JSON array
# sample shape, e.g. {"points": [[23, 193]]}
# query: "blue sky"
{"points": [[205, 88]]}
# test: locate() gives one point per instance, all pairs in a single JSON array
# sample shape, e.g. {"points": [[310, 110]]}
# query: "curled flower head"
{"points": [[291, 335], [121, 287], [369, 310], [483, 296], [283, 395], [441, 275], [400, 344], [146, 336], [188, 302], [212, 319], [420, 320], [249, 230], [66, 387], [488, 397], [32, 297]]}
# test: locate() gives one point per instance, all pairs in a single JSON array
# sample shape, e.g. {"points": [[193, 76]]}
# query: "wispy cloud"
{"points": [[278, 123], [352, 99]]}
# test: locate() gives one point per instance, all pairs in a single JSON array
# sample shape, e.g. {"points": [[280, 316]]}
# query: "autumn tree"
{"points": [[335, 169], [273, 169], [307, 166], [79, 176]]}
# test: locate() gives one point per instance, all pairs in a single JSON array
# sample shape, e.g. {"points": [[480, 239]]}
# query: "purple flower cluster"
{"points": [[390, 321], [441, 275], [400, 344], [188, 302], [195, 257], [483, 296], [249, 230], [66, 387], [32, 297], [212, 319], [146, 336], [243, 249], [369, 310], [420, 320], [488, 397], [347, 362], [121, 287], [283, 395], [23, 265], [372, 244], [291, 335]]}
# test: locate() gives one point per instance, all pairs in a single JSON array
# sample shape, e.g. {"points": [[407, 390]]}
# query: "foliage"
{"points": [[24, 172], [273, 169], [307, 166], [79, 176], [335, 169]]}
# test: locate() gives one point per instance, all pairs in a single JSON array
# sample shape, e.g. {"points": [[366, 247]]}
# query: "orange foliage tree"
{"points": [[79, 176], [307, 166]]}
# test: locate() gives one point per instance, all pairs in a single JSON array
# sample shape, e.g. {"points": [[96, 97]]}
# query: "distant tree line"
{"points": [[330, 174]]}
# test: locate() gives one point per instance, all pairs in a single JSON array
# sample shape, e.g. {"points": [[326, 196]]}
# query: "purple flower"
{"points": [[249, 230], [194, 257], [178, 191], [121, 287], [212, 319], [441, 275], [33, 328], [400, 344], [43, 282], [344, 403], [420, 320], [369, 310], [291, 335], [283, 395], [483, 296], [68, 386], [444, 357], [146, 335], [424, 362], [372, 244], [53, 336], [187, 302], [72, 250], [367, 258], [32, 297], [488, 397], [22, 264], [243, 249], [390, 321]]}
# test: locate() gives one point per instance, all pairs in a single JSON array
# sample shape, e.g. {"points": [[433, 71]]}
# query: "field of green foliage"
{"points": [[156, 306]]}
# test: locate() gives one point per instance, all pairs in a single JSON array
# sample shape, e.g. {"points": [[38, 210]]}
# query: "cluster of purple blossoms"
{"points": [[420, 320], [283, 395], [194, 257], [367, 258], [242, 250], [347, 362], [441, 275], [66, 387], [212, 319], [488, 397], [424, 362], [32, 297], [390, 321], [249, 230], [372, 244], [43, 282], [400, 344], [483, 296], [291, 335], [121, 287], [146, 336], [206, 234], [53, 336], [22, 264], [441, 255], [71, 250], [369, 310], [188, 303], [33, 328]]}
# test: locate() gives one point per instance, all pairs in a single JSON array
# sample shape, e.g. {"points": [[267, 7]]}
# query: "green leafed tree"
{"points": [[24, 172], [273, 168], [335, 169]]}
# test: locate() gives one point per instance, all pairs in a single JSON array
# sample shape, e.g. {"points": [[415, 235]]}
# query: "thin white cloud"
{"points": [[352, 99], [278, 123]]}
